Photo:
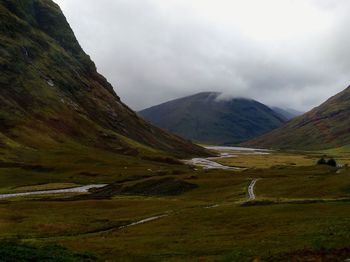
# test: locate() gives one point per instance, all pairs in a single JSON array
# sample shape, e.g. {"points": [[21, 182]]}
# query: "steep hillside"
{"points": [[205, 118], [51, 94], [326, 126]]}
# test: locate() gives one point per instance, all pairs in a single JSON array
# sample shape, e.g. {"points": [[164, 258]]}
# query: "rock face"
{"points": [[51, 93], [326, 126], [206, 118]]}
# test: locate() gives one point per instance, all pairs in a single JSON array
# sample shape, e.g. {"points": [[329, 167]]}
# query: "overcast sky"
{"points": [[287, 53]]}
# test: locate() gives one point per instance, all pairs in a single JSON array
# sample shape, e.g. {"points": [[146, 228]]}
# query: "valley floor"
{"points": [[275, 206]]}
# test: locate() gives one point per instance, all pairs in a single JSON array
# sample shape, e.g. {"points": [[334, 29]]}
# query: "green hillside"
{"points": [[205, 118], [326, 126], [51, 95]]}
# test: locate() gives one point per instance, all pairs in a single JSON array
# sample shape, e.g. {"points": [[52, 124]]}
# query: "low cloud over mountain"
{"points": [[291, 54]]}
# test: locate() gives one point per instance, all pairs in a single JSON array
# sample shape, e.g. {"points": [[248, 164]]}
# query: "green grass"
{"points": [[188, 233], [269, 160], [78, 165], [228, 231], [299, 210], [12, 251], [319, 182]]}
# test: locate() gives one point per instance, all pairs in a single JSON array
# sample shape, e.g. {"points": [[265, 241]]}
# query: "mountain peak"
{"points": [[207, 118], [216, 96]]}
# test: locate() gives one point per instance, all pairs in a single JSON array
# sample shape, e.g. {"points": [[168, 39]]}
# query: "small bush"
{"points": [[329, 162], [322, 161], [332, 162]]}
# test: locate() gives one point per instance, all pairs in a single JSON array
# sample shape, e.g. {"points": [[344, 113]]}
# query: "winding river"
{"points": [[206, 163], [82, 189], [225, 152]]}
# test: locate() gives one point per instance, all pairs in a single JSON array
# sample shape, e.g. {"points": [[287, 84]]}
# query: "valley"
{"points": [[83, 177], [290, 203]]}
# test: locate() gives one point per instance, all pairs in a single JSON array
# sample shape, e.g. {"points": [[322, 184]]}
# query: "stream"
{"points": [[225, 152], [82, 189]]}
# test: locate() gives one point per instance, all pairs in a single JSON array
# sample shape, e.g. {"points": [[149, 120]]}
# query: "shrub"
{"points": [[332, 162], [329, 162], [322, 161]]}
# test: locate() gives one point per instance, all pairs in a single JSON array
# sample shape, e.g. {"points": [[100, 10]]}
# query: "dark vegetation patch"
{"points": [[258, 203], [321, 255], [178, 172], [38, 168], [346, 189], [131, 178], [329, 162], [159, 187], [13, 218], [152, 187], [166, 160], [88, 174], [4, 164], [286, 171], [301, 201], [12, 251], [27, 167]]}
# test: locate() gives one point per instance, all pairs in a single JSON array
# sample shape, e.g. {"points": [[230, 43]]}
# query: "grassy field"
{"points": [[78, 165], [269, 160], [301, 212]]}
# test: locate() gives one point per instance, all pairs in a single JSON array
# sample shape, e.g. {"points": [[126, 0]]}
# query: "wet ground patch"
{"points": [[324, 255], [12, 251]]}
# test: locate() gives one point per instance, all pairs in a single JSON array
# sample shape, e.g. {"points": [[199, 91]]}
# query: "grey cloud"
{"points": [[151, 55]]}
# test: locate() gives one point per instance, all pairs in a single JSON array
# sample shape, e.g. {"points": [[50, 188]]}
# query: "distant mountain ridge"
{"points": [[287, 113], [326, 126], [206, 118]]}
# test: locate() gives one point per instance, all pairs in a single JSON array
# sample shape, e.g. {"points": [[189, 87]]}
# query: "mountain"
{"points": [[287, 113], [326, 126], [206, 118], [52, 96]]}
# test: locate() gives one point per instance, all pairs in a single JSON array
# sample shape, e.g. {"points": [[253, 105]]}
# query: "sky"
{"points": [[285, 53]]}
